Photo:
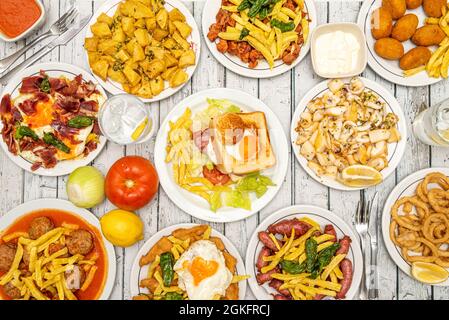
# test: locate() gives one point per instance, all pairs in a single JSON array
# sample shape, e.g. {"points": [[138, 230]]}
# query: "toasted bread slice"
{"points": [[228, 131]]}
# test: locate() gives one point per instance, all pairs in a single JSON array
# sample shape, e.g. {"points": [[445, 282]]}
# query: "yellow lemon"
{"points": [[139, 130], [122, 228], [360, 176], [429, 272]]}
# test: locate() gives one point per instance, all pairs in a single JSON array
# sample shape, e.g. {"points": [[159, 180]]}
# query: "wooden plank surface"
{"points": [[282, 94]]}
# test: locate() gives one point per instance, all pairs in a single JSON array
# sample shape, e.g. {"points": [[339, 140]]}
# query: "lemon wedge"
{"points": [[360, 176], [139, 130], [429, 272], [122, 228]]}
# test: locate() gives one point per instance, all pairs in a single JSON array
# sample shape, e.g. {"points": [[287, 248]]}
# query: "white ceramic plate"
{"points": [[234, 63], [405, 188], [388, 69], [86, 215], [109, 7], [53, 69], [197, 206], [395, 150], [321, 216], [138, 273]]}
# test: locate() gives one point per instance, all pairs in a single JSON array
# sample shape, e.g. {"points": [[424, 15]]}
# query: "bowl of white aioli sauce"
{"points": [[338, 50]]}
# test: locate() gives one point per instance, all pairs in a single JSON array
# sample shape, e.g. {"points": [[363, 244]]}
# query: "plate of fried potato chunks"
{"points": [[147, 48], [408, 40]]}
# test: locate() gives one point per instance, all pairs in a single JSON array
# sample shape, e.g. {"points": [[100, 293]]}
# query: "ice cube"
{"points": [[117, 107]]}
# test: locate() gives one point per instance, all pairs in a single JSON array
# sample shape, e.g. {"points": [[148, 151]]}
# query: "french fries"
{"points": [[261, 36]]}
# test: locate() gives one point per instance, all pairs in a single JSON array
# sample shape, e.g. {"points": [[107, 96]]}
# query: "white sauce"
{"points": [[336, 53]]}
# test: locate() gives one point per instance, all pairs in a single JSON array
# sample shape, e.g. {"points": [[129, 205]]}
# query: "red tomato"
{"points": [[131, 183], [215, 176]]}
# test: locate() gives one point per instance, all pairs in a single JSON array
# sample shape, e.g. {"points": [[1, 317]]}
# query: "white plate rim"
{"points": [[135, 269], [395, 194], [114, 87], [170, 187], [69, 165], [64, 205], [390, 101], [241, 68], [418, 80], [304, 211]]}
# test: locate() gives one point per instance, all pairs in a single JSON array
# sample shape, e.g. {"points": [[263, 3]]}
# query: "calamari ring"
{"points": [[431, 258], [435, 196], [435, 177], [428, 231], [442, 262]]}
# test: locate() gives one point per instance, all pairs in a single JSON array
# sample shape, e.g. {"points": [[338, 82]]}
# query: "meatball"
{"points": [[79, 242], [11, 291], [75, 278], [7, 254], [39, 227], [55, 247]]}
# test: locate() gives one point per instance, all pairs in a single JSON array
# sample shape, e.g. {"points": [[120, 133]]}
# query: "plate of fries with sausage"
{"points": [[259, 38], [221, 155], [188, 262], [415, 225], [53, 250], [407, 40], [146, 48], [304, 252]]}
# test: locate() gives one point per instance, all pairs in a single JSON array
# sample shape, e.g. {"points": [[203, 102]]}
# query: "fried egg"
{"points": [[246, 149], [202, 271]]}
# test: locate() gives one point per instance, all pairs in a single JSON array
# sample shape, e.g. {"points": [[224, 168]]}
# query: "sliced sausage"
{"points": [[346, 269], [329, 229], [276, 284], [280, 297], [266, 240], [345, 242], [265, 252], [11, 291], [265, 277], [285, 227]]}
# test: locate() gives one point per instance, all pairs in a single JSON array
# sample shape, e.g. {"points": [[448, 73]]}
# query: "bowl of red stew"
{"points": [[19, 17]]}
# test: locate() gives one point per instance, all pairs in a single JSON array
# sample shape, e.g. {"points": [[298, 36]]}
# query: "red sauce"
{"points": [[58, 217], [17, 16]]}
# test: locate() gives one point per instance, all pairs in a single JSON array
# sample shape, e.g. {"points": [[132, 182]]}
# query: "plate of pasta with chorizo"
{"points": [[188, 262], [53, 250], [415, 225], [258, 38], [146, 48], [304, 252]]}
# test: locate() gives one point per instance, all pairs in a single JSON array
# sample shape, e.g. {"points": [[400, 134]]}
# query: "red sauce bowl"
{"points": [[19, 17]]}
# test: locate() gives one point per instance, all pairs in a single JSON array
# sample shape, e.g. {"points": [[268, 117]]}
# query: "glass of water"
{"points": [[431, 126], [125, 119]]}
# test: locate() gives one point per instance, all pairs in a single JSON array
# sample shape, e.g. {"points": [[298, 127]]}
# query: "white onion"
{"points": [[85, 187]]}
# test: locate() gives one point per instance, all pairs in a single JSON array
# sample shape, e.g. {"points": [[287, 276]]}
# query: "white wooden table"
{"points": [[282, 94]]}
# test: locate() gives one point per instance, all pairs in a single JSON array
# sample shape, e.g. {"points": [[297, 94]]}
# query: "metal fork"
{"points": [[361, 221], [56, 29]]}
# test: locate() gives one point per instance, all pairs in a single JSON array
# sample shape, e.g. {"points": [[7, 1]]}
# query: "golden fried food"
{"points": [[405, 27], [413, 4], [414, 58], [428, 35], [433, 8], [190, 264], [420, 224], [389, 48], [396, 7], [381, 23]]}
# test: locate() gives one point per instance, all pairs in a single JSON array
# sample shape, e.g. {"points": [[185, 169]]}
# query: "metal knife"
{"points": [[373, 281], [61, 40]]}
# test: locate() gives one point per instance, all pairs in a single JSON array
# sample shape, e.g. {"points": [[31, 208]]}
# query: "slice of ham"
{"points": [[90, 146], [29, 106], [201, 139], [8, 137], [65, 131], [57, 84], [31, 84], [68, 104], [89, 105], [5, 104], [47, 156]]}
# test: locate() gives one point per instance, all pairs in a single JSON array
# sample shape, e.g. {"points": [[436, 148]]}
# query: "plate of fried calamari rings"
{"points": [[415, 220]]}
